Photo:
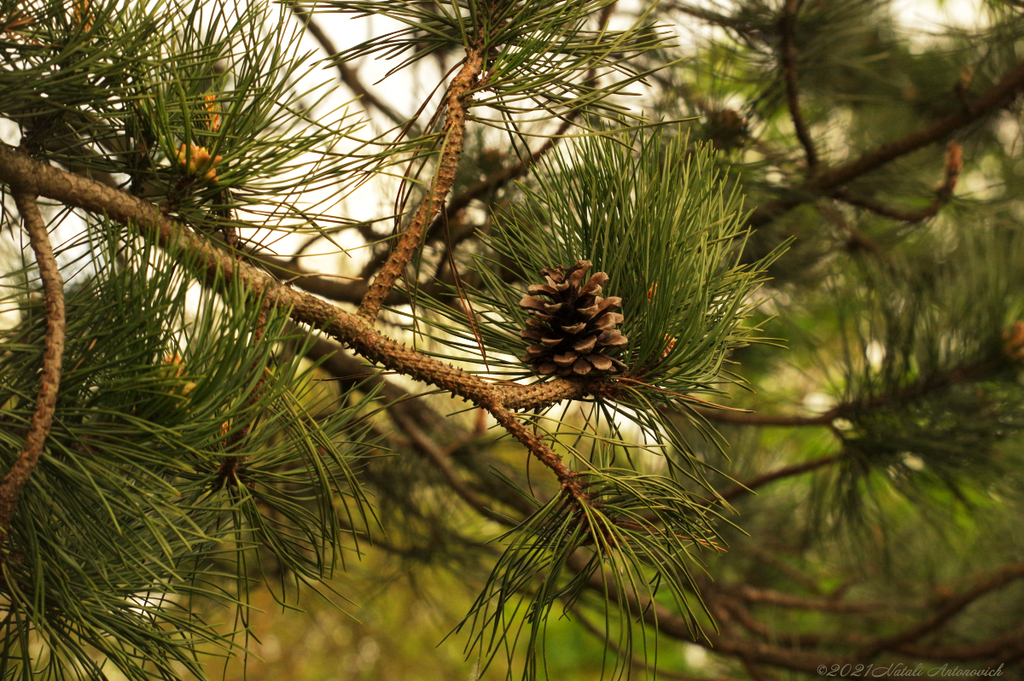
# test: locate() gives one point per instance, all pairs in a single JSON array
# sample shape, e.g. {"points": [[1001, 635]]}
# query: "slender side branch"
{"points": [[498, 179], [332, 288], [742, 418], [783, 600], [671, 624], [788, 59], [967, 372], [429, 448], [638, 662], [457, 104], [998, 96], [53, 353], [569, 480]]}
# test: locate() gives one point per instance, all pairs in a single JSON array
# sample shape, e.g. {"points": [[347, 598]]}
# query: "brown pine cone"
{"points": [[573, 332]]}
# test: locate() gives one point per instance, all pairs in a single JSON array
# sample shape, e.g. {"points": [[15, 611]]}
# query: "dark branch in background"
{"points": [[943, 193], [671, 624], [995, 648], [1000, 95], [347, 75], [855, 240], [749, 486], [969, 372], [339, 289], [782, 600], [952, 608], [637, 662], [806, 658], [787, 55], [53, 353]]}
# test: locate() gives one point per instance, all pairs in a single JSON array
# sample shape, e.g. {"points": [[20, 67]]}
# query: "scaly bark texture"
{"points": [[53, 353], [454, 133]]}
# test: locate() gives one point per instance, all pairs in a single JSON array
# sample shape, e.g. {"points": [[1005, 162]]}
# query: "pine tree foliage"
{"points": [[786, 430]]}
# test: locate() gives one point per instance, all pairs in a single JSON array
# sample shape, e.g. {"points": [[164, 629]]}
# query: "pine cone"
{"points": [[573, 331]]}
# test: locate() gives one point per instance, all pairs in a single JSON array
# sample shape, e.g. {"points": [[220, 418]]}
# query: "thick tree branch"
{"points": [[214, 267], [53, 353], [1000, 95], [457, 105]]}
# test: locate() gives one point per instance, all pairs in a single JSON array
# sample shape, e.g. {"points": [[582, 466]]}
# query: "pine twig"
{"points": [[457, 105], [788, 62], [49, 381]]}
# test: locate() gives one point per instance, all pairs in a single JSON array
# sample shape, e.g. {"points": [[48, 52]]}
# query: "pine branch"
{"points": [[332, 288], [943, 193], [457, 105], [955, 606], [49, 380], [994, 648], [1000, 95], [929, 384], [753, 594], [749, 486], [671, 624], [214, 267], [787, 55]]}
